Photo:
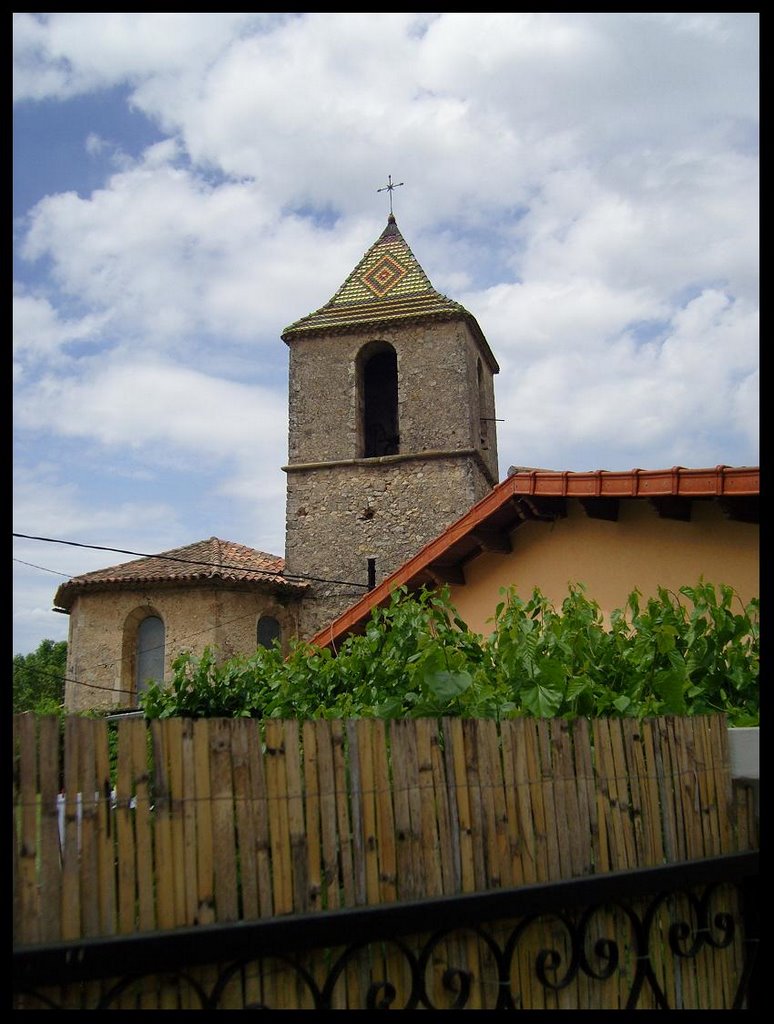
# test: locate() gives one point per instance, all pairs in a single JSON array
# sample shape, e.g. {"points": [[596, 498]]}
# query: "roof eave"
{"points": [[315, 330], [66, 594]]}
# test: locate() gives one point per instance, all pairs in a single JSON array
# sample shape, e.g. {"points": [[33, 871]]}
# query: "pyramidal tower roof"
{"points": [[388, 286]]}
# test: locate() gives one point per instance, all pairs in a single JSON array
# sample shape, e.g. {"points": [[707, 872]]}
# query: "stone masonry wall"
{"points": [[438, 393], [343, 509], [341, 515], [102, 634]]}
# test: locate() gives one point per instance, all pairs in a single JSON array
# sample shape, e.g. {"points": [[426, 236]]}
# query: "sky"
{"points": [[187, 185]]}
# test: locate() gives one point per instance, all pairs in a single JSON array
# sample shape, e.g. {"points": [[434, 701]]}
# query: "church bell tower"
{"points": [[391, 433]]}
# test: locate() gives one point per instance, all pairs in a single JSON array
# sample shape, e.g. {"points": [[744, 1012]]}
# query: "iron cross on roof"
{"points": [[389, 187]]}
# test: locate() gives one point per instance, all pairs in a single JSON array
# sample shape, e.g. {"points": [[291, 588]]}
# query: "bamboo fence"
{"points": [[188, 822]]}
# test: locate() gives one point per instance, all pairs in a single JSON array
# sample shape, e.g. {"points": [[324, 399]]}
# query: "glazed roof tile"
{"points": [[212, 559], [387, 286]]}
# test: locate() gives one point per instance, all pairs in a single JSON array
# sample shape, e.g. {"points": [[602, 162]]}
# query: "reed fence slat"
{"points": [[126, 867], [257, 832], [584, 779], [459, 804], [644, 793], [189, 808], [105, 871], [18, 919], [205, 861], [88, 842], [460, 948], [720, 762], [476, 810], [677, 785], [426, 730], [26, 794], [356, 812], [186, 823], [137, 806], [369, 846], [71, 906], [177, 820], [89, 837], [417, 830], [689, 790], [276, 781], [363, 737], [406, 855], [245, 820], [331, 897], [513, 832], [385, 821], [545, 853], [223, 820], [636, 774], [568, 814], [524, 823], [49, 745], [162, 827], [706, 789], [355, 982], [576, 760], [492, 804], [296, 823], [312, 796], [611, 837], [341, 791]]}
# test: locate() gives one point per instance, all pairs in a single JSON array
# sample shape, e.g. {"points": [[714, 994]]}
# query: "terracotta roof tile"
{"points": [[212, 559], [675, 482]]}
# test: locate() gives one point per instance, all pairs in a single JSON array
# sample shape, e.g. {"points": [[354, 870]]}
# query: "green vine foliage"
{"points": [[694, 652]]}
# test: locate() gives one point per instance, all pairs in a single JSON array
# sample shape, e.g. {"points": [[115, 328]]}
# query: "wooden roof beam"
{"points": [[743, 510], [544, 509], [492, 540], [446, 573], [670, 507], [601, 508]]}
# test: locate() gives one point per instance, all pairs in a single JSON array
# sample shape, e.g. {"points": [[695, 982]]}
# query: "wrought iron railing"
{"points": [[683, 898]]}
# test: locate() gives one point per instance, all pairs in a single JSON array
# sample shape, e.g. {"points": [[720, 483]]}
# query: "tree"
{"points": [[39, 678]]}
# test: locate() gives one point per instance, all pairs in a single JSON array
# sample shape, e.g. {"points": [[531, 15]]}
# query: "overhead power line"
{"points": [[193, 561], [42, 568]]}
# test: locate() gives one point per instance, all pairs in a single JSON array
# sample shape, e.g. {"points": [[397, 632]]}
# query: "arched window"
{"points": [[149, 659], [379, 400], [268, 631]]}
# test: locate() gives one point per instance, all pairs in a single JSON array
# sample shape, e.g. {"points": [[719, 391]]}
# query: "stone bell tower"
{"points": [[391, 427]]}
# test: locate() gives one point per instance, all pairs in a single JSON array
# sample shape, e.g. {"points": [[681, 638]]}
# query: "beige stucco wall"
{"points": [[612, 558], [101, 647]]}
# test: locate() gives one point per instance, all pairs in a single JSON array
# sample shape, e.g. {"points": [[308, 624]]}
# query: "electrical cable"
{"points": [[193, 561], [179, 640]]}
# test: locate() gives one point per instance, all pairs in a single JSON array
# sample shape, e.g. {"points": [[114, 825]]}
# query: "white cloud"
{"points": [[81, 52], [586, 184], [687, 397], [152, 404], [49, 507], [167, 255], [39, 333]]}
